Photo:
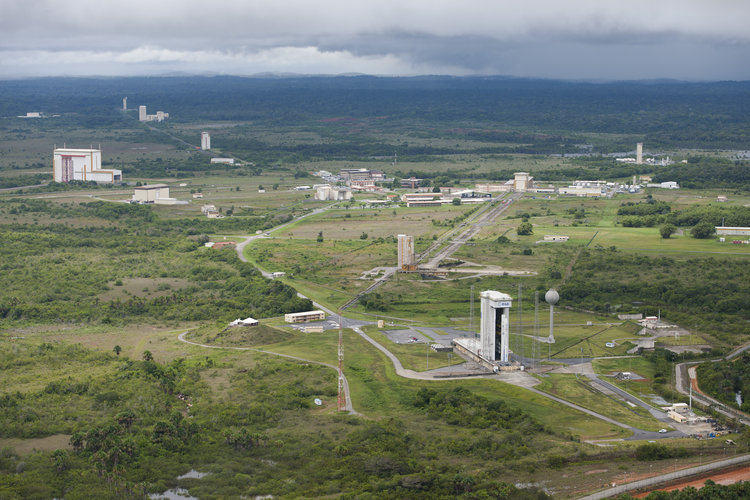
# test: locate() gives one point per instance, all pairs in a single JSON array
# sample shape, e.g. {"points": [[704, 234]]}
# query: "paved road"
{"points": [[483, 219], [522, 380], [685, 376], [4, 190], [251, 238], [667, 478], [348, 406]]}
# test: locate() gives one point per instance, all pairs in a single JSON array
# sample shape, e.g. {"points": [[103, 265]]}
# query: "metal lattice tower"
{"points": [[471, 312], [341, 399], [520, 319]]}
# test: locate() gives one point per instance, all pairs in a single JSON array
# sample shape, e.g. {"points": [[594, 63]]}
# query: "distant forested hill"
{"points": [[664, 114]]}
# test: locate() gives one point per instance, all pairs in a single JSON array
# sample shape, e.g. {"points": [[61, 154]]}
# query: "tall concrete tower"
{"points": [[142, 114], [494, 335], [639, 153], [406, 259], [205, 141], [124, 103]]}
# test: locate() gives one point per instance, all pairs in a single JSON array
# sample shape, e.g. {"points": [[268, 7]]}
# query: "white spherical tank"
{"points": [[552, 297]]}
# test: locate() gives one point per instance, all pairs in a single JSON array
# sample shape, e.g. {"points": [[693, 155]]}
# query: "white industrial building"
{"points": [[733, 231], [304, 317], [155, 193], [422, 199], [205, 141], [585, 189], [82, 165], [664, 185], [325, 192], [160, 116], [521, 182], [406, 259], [227, 161]]}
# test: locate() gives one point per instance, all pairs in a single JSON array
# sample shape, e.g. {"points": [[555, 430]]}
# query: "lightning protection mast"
{"points": [[341, 402]]}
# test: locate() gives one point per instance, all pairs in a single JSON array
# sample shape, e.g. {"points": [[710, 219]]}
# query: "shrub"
{"points": [[525, 229]]}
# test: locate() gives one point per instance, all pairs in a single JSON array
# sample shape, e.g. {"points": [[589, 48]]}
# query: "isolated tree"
{"points": [[667, 230], [117, 349], [363, 236], [525, 229], [702, 230], [275, 187], [147, 356], [261, 188], [456, 201], [320, 237], [436, 189]]}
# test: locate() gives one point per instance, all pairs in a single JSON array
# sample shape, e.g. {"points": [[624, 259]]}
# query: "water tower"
{"points": [[552, 298]]}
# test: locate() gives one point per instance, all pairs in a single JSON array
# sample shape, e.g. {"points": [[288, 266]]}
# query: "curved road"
{"points": [[411, 374], [685, 377], [348, 406]]}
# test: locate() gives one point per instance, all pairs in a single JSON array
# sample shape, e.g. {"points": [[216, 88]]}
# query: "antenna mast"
{"points": [[520, 317], [341, 402]]}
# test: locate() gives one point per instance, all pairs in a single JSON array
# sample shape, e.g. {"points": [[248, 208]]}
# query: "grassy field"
{"points": [[579, 391], [343, 224], [376, 389]]}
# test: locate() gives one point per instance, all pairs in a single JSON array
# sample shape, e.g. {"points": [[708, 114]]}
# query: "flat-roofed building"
{"points": [[490, 187], [362, 174], [304, 317], [151, 193], [411, 197], [411, 182], [582, 191], [70, 164], [733, 231]]}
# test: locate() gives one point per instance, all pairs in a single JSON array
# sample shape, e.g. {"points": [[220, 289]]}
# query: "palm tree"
{"points": [[117, 349], [147, 356]]}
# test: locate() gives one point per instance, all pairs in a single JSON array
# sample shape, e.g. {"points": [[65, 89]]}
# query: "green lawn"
{"points": [[578, 391]]}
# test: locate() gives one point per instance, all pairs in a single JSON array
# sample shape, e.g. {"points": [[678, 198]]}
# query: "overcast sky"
{"points": [[571, 39]]}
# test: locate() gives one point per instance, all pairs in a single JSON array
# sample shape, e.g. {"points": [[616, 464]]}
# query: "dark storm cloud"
{"points": [[572, 39]]}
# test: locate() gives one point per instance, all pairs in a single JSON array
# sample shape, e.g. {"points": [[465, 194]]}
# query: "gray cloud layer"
{"points": [[608, 39]]}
